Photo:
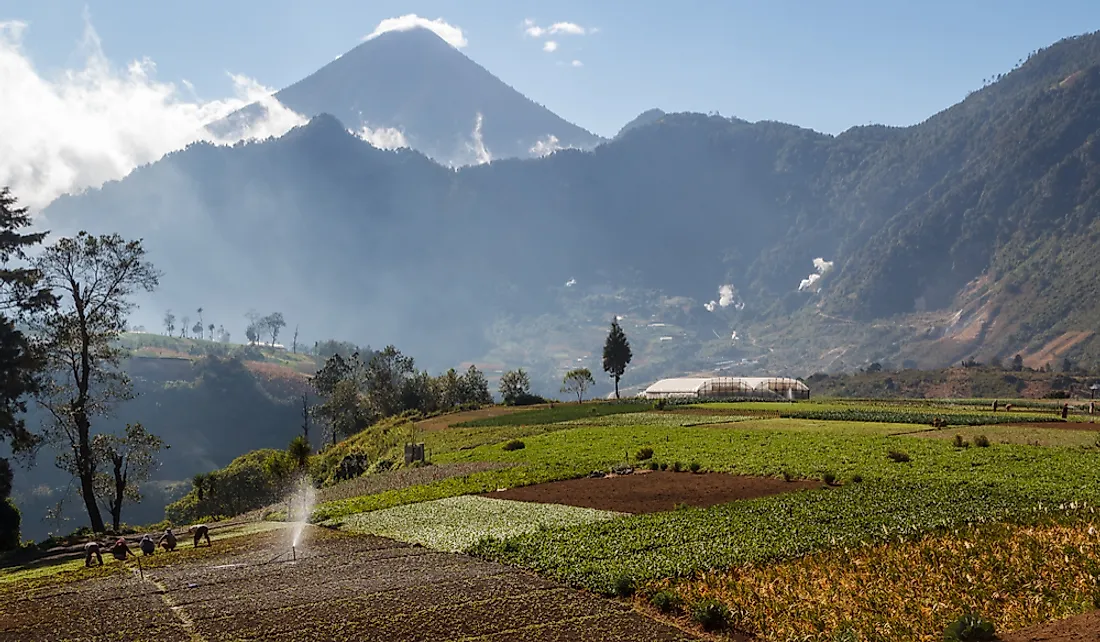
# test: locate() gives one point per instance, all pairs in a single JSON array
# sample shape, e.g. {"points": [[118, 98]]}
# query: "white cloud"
{"points": [[577, 63], [569, 28], [821, 266], [451, 34], [86, 126], [550, 46], [570, 283], [558, 28], [383, 137]]}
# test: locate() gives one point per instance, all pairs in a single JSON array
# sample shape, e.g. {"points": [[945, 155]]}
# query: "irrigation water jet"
{"points": [[301, 502]]}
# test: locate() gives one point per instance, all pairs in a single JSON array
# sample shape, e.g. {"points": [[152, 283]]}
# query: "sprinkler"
{"points": [[294, 552]]}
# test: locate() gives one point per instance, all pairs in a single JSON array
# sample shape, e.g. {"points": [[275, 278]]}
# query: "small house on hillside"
{"points": [[729, 387]]}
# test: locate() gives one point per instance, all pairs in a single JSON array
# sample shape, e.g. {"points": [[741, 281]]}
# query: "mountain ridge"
{"points": [[813, 251]]}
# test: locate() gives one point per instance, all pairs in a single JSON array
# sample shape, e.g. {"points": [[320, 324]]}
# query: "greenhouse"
{"points": [[729, 387]]}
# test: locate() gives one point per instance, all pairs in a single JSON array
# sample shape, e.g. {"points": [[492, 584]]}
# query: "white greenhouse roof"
{"points": [[693, 385], [677, 385]]}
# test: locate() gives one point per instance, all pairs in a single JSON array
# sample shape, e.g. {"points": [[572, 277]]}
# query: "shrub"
{"points": [[622, 586], [828, 478], [786, 476], [664, 466], [981, 441], [666, 601], [898, 456], [654, 465], [659, 404], [644, 454], [676, 466], [857, 478], [514, 444], [960, 442], [9, 525], [711, 614], [969, 627], [694, 467]]}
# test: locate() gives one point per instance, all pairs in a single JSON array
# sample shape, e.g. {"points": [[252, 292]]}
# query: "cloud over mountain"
{"points": [[451, 34], [93, 124]]}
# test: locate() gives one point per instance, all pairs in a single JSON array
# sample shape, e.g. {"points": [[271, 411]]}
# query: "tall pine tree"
{"points": [[21, 295], [616, 353]]}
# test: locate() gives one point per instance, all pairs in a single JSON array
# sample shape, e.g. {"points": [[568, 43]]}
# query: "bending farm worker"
{"points": [[120, 550], [200, 531], [90, 549], [148, 546], [168, 540]]}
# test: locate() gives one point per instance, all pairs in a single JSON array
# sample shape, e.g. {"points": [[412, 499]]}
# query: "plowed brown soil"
{"points": [[652, 492], [340, 587], [1081, 628]]}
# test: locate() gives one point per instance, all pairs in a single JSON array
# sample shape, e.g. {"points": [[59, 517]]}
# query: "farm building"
{"points": [[718, 387]]}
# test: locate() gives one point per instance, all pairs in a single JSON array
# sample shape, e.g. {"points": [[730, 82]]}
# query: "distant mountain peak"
{"points": [[443, 103]]}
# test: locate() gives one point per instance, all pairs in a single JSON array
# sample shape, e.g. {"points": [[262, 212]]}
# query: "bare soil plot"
{"points": [[339, 587], [1081, 628], [652, 492]]}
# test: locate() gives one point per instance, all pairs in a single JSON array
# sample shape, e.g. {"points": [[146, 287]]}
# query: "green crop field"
{"points": [[888, 412], [458, 523]]}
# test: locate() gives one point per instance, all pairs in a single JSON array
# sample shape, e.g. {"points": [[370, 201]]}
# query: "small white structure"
{"points": [[719, 387]]}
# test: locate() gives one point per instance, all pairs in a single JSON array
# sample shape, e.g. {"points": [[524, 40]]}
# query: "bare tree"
{"points": [[185, 322], [169, 322], [94, 277]]}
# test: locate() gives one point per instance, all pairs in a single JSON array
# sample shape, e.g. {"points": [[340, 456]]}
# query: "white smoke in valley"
{"points": [[727, 296], [821, 266], [83, 127], [476, 147], [545, 146], [383, 137]]}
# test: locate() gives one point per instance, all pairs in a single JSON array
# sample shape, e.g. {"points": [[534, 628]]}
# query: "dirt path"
{"points": [[1082, 628], [651, 492], [340, 587]]}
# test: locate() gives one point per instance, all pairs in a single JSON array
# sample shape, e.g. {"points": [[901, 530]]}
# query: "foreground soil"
{"points": [[652, 492], [1081, 628], [339, 587]]}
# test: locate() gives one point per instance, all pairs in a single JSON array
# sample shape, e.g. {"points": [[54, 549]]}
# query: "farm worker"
{"points": [[1092, 407], [120, 550], [1065, 410], [168, 540], [90, 549], [200, 531], [148, 546], [995, 403]]}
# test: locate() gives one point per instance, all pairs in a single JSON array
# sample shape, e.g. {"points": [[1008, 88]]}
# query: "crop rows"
{"points": [[912, 417], [1005, 572], [684, 542], [456, 523], [655, 419]]}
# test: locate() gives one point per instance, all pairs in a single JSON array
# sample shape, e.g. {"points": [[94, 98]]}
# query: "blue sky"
{"points": [[825, 65]]}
